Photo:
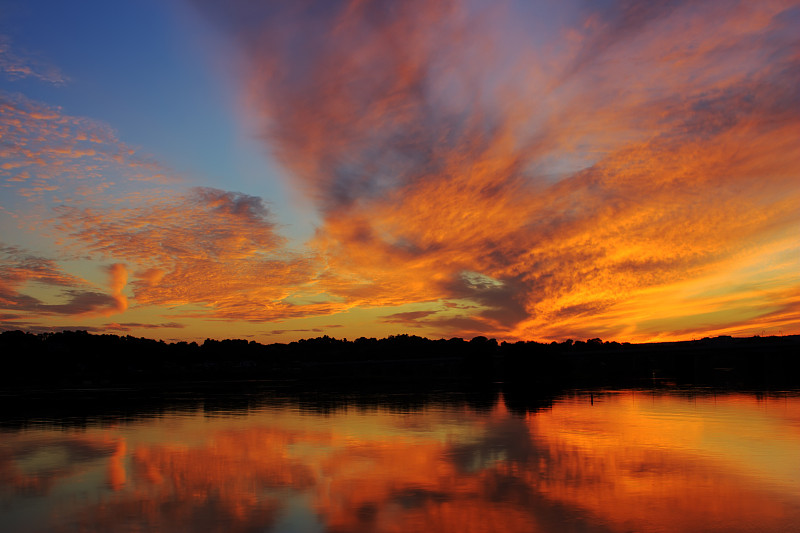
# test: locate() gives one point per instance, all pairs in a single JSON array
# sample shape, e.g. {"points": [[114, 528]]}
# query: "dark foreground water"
{"points": [[621, 461]]}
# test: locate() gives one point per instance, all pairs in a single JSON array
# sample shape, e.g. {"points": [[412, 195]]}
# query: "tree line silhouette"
{"points": [[71, 358]]}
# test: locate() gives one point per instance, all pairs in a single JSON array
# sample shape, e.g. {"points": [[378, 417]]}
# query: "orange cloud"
{"points": [[20, 269], [529, 172], [455, 157], [215, 250], [207, 247], [119, 277]]}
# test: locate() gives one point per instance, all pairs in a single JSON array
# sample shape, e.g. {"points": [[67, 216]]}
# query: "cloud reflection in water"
{"points": [[614, 462]]}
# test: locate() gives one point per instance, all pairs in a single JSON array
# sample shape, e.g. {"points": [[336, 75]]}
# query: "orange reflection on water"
{"points": [[675, 463], [611, 462]]}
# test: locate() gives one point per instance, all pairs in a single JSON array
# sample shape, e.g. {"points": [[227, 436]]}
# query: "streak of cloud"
{"points": [[128, 326], [408, 318], [16, 65]]}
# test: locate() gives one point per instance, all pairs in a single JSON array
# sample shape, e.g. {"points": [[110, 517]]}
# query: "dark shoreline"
{"points": [[75, 359]]}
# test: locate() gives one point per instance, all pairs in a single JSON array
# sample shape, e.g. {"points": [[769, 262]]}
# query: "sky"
{"points": [[272, 171]]}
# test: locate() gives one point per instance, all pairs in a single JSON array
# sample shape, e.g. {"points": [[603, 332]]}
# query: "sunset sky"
{"points": [[282, 170]]}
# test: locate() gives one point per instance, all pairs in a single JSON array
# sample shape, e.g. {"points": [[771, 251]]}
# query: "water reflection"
{"points": [[600, 461]]}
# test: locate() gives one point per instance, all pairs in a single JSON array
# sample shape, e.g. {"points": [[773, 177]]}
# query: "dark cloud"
{"points": [[79, 303], [128, 326], [408, 318], [300, 330]]}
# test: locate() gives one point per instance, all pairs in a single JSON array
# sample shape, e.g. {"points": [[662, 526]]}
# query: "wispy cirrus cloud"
{"points": [[16, 64], [553, 181]]}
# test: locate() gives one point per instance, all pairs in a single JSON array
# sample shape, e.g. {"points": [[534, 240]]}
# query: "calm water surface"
{"points": [[619, 461]]}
